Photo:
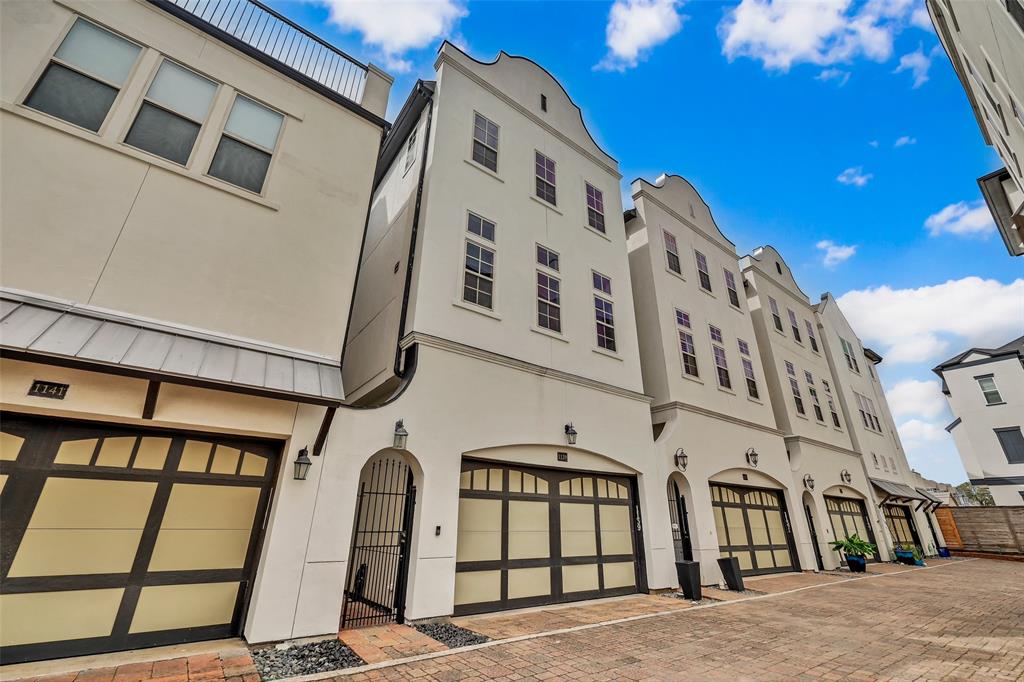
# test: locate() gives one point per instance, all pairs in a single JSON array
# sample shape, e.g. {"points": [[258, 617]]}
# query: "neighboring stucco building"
{"points": [[985, 44], [175, 295], [825, 468], [985, 391]]}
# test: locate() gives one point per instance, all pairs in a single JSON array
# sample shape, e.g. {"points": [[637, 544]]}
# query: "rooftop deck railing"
{"points": [[261, 28]]}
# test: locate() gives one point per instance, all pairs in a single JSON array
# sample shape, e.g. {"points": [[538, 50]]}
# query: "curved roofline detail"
{"points": [[502, 53], [660, 182], [774, 275]]}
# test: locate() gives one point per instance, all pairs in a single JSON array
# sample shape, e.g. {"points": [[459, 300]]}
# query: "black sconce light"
{"points": [[681, 459], [302, 464], [808, 482], [752, 457], [570, 434], [845, 476], [401, 435]]}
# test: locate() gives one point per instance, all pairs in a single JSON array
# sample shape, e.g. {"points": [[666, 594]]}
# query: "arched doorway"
{"points": [[679, 517], [808, 503], [378, 566]]}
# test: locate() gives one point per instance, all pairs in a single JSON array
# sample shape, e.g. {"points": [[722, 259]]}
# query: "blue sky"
{"points": [[786, 118]]}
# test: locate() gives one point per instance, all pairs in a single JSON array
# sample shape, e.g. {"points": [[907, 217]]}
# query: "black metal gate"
{"points": [[378, 566]]}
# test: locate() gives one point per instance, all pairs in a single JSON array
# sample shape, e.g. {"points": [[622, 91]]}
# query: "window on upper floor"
{"points": [[478, 279], [682, 319], [798, 400], [410, 150], [481, 227], [816, 404], [172, 113], [485, 142], [702, 271], [595, 208], [809, 378], [605, 322], [721, 367], [544, 171], [1012, 443], [601, 283], [247, 144], [851, 357], [85, 74], [895, 468], [867, 413], [743, 346], [672, 253], [687, 350], [810, 336], [730, 285], [716, 333], [776, 317], [748, 374], [549, 302], [547, 257], [989, 389], [874, 459], [835, 414], [794, 325]]}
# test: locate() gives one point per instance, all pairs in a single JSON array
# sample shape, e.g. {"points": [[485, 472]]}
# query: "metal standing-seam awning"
{"points": [[933, 502], [902, 493]]}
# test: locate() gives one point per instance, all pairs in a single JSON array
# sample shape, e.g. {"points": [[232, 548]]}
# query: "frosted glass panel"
{"points": [[254, 122], [182, 91], [98, 52]]}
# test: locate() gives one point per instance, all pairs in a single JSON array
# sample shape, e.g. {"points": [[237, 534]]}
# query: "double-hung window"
{"points": [[247, 145], [549, 303], [702, 271], [603, 314], [795, 387], [672, 253], [547, 257], [172, 113], [867, 413], [810, 336], [794, 325], [601, 283], [687, 350], [410, 151], [485, 142], [721, 367], [989, 390], [748, 367], [730, 285], [851, 357], [716, 333], [776, 317], [815, 402], [82, 80], [544, 170], [831, 404], [595, 208], [478, 275]]}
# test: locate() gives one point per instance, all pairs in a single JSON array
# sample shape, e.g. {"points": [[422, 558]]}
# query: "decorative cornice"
{"points": [[689, 223], [688, 407], [823, 444], [444, 58], [431, 341]]}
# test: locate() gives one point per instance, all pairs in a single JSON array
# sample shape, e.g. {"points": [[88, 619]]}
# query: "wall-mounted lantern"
{"points": [[401, 435], [752, 457], [681, 459], [570, 434], [845, 476], [302, 465], [808, 482]]}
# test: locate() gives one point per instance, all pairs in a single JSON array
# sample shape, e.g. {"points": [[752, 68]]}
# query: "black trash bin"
{"points": [[688, 573], [731, 572]]}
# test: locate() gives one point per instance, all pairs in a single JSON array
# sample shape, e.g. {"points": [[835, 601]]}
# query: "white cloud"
{"points": [[962, 219], [912, 397], [835, 253], [904, 140], [918, 63], [916, 432], [854, 176], [874, 143], [834, 74], [636, 26], [927, 323], [781, 33], [919, 18], [397, 26]]}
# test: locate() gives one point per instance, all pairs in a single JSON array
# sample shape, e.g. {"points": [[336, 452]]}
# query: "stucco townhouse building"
{"points": [[184, 197]]}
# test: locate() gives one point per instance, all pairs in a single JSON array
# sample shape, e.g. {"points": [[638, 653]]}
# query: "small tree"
{"points": [[979, 495]]}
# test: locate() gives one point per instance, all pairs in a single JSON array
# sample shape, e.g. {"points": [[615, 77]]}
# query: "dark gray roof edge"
{"points": [[953, 424], [1014, 347], [407, 118]]}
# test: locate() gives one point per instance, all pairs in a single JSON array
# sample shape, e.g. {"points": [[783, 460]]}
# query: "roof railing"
{"points": [[259, 27]]}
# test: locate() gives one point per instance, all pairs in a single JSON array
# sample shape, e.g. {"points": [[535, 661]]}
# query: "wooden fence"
{"points": [[998, 530]]}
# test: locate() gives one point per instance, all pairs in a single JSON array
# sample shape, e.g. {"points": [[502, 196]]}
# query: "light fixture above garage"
{"points": [[401, 435], [845, 476], [681, 459], [570, 434], [752, 457], [808, 482], [302, 464]]}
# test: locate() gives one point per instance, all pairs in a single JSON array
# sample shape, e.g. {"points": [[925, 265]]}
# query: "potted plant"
{"points": [[906, 554], [856, 550]]}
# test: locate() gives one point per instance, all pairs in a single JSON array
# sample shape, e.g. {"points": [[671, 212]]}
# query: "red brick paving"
{"points": [[229, 666], [387, 642]]}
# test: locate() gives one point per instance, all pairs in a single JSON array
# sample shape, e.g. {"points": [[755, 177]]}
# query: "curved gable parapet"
{"points": [[678, 194], [523, 81], [770, 262]]}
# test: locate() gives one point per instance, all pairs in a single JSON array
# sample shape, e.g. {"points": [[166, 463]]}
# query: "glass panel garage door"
{"points": [[849, 518], [897, 517], [536, 536], [753, 527], [117, 538]]}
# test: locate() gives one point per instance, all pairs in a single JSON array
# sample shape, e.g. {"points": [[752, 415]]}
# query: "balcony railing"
{"points": [[260, 28]]}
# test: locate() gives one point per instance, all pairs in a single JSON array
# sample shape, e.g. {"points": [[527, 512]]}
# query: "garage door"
{"points": [[849, 518], [116, 538], [901, 525], [537, 536], [753, 526]]}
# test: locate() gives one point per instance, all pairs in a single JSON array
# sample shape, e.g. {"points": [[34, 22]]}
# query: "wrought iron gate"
{"points": [[378, 566]]}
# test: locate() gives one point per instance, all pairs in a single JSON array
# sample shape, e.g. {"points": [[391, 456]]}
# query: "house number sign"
{"points": [[48, 389]]}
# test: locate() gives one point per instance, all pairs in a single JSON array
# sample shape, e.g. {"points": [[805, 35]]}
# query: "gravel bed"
{"points": [[304, 659], [702, 602], [452, 636]]}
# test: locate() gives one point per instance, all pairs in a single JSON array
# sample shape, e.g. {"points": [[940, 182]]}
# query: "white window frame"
{"points": [[721, 366], [670, 240], [558, 306], [471, 239], [473, 140], [684, 333], [703, 274], [794, 324], [537, 155], [811, 338], [773, 307], [410, 150], [986, 391], [730, 286], [598, 197]]}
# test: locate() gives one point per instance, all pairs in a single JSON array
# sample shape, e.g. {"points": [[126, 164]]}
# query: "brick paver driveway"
{"points": [[962, 620]]}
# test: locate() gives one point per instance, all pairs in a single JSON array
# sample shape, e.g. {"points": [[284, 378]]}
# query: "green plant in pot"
{"points": [[856, 550], [908, 554]]}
